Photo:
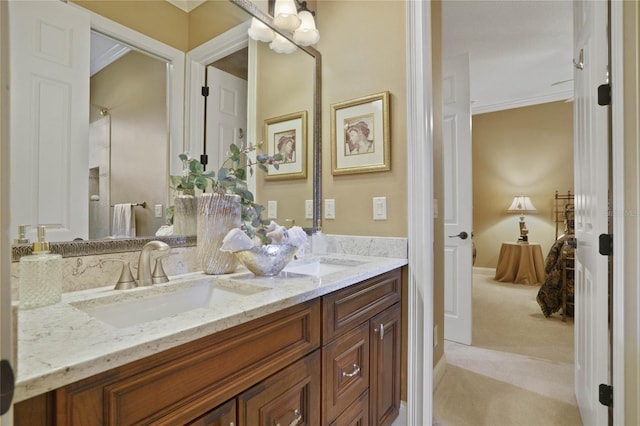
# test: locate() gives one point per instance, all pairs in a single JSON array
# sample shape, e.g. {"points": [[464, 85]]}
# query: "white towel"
{"points": [[124, 221]]}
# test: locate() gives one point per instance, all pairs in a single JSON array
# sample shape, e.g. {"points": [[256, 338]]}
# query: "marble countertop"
{"points": [[64, 343]]}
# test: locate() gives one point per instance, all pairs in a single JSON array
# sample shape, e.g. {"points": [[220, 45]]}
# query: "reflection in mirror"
{"points": [[127, 140]]}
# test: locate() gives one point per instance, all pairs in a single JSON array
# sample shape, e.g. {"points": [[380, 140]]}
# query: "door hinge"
{"points": [[605, 244], [7, 386], [604, 94], [205, 91], [605, 395]]}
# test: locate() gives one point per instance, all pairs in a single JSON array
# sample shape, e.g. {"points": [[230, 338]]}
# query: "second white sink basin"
{"points": [[321, 266], [157, 303]]}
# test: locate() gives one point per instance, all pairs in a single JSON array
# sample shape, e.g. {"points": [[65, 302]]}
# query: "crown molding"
{"points": [[518, 103]]}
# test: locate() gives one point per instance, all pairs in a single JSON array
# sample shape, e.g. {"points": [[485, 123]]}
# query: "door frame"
{"points": [[420, 212]]}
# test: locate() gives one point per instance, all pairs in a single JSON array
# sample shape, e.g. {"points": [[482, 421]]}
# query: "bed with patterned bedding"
{"points": [[551, 292]]}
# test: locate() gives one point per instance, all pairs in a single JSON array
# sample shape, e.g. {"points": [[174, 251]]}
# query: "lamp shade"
{"points": [[306, 34], [282, 45], [260, 32], [285, 15], [521, 204]]}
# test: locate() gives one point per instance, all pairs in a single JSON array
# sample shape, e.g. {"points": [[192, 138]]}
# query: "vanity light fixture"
{"points": [[260, 32], [522, 204], [291, 16], [282, 45], [285, 15]]}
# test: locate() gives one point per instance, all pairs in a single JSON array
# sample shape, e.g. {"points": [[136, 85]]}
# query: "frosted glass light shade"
{"points": [[282, 45], [285, 15], [306, 34], [260, 32]]}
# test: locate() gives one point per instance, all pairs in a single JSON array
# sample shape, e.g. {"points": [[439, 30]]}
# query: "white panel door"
{"points": [[591, 175], [456, 155], [49, 118], [226, 115]]}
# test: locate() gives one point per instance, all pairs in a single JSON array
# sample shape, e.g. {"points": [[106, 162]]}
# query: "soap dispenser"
{"points": [[40, 275]]}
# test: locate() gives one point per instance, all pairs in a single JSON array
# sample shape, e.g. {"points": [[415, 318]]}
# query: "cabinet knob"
{"points": [[355, 372]]}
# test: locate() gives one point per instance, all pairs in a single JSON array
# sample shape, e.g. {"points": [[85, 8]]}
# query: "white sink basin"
{"points": [[156, 303], [321, 266]]}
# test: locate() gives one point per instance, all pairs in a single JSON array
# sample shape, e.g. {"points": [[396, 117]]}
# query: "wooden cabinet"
{"points": [[361, 351], [334, 360], [224, 415]]}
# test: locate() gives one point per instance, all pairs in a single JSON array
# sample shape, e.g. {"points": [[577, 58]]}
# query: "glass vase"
{"points": [[217, 215]]}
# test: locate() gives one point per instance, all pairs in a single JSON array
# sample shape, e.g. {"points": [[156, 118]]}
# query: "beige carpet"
{"points": [[519, 369]]}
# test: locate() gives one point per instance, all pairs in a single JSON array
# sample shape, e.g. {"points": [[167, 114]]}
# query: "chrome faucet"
{"points": [[144, 261]]}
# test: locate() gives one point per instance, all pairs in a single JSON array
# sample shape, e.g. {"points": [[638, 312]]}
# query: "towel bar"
{"points": [[142, 204]]}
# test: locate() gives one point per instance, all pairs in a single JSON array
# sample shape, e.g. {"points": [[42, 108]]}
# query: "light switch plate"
{"points": [[308, 209], [379, 208], [330, 208], [272, 209], [158, 210]]}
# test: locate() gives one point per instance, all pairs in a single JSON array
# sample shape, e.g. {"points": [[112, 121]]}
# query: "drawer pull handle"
{"points": [[381, 330], [355, 372], [296, 420]]}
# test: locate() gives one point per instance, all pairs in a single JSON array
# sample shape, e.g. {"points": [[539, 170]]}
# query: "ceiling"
{"points": [[520, 51]]}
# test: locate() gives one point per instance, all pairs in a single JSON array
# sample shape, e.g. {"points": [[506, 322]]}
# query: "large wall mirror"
{"points": [[134, 173]]}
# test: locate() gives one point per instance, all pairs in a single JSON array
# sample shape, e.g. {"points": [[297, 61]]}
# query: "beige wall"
{"points": [[157, 19], [523, 150], [285, 86], [362, 57], [438, 181], [138, 110], [211, 19]]}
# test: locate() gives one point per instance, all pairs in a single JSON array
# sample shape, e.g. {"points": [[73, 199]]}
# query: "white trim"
{"points": [[420, 213], [439, 370], [197, 60], [536, 100], [175, 77], [617, 170]]}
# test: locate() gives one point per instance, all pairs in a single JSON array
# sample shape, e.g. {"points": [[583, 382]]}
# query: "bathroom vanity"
{"points": [[293, 349]]}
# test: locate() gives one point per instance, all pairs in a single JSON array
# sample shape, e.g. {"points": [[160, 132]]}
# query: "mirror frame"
{"points": [[180, 99]]}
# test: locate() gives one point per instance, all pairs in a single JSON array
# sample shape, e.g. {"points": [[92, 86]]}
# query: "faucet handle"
{"points": [[126, 280], [159, 276]]}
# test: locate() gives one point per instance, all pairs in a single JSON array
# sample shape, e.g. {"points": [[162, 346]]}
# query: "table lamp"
{"points": [[522, 204]]}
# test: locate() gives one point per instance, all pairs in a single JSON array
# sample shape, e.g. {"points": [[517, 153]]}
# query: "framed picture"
{"points": [[287, 135], [360, 135]]}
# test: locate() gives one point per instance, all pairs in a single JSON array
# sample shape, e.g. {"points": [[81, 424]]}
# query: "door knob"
{"points": [[462, 235]]}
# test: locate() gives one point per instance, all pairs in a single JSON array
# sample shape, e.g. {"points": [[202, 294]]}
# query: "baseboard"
{"points": [[439, 369], [484, 271]]}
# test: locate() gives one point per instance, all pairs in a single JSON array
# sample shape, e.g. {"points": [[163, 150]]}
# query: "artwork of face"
{"points": [[286, 145], [357, 134]]}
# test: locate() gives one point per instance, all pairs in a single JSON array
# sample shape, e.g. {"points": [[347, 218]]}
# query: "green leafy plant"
{"points": [[232, 179]]}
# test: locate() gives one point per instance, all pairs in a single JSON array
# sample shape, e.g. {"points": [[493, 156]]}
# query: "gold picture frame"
{"points": [[360, 135], [287, 135]]}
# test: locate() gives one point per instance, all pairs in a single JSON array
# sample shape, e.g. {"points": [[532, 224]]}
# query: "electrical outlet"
{"points": [[272, 209], [158, 210], [330, 209], [379, 208], [308, 209]]}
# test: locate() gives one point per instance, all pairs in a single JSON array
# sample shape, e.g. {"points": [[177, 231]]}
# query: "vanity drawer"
{"points": [[346, 370], [357, 414], [349, 307], [186, 382]]}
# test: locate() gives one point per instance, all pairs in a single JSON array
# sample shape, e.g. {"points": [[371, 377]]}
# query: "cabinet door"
{"points": [[346, 371], [224, 415], [384, 385], [288, 398]]}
